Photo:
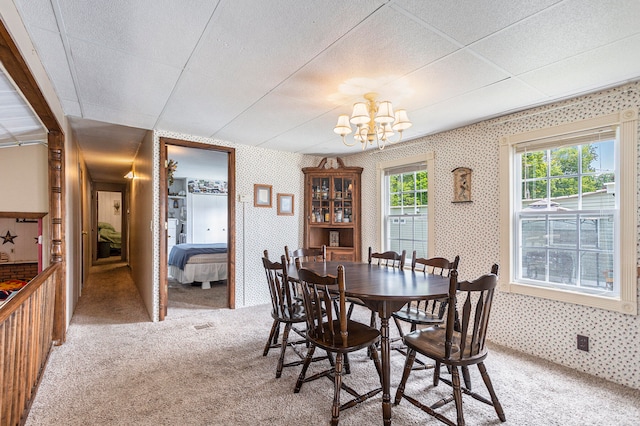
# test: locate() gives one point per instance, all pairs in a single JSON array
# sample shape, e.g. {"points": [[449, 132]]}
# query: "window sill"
{"points": [[614, 304]]}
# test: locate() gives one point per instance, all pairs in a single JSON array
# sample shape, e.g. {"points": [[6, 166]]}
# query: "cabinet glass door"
{"points": [[320, 200], [343, 196]]}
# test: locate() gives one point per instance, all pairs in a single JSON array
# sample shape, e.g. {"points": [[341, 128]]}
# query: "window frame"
{"points": [[626, 189], [381, 196]]}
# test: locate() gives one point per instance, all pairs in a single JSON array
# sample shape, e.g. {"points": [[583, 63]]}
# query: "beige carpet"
{"points": [[205, 367], [187, 296]]}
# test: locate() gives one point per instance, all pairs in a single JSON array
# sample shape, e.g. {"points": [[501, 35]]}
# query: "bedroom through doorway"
{"points": [[197, 228]]}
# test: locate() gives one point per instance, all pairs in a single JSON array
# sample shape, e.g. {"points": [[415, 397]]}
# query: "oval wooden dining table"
{"points": [[384, 290]]}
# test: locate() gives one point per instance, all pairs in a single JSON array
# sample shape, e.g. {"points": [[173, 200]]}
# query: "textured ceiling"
{"points": [[277, 73]]}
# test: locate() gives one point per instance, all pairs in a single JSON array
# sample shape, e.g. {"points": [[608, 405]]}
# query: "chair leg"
{"points": [[408, 364], [270, 341], [494, 398], [335, 408], [398, 324], [466, 376], [457, 394], [376, 361], [283, 349], [436, 374], [305, 366]]}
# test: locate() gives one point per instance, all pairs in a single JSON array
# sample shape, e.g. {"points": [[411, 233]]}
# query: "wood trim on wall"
{"points": [[231, 217], [20, 73]]}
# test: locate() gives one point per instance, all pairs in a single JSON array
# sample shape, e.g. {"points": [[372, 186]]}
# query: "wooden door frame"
{"points": [[19, 71], [231, 218]]}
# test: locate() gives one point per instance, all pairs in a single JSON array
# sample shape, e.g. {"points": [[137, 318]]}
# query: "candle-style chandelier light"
{"points": [[374, 121]]}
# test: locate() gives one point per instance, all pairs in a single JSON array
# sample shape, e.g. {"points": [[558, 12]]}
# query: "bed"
{"points": [[108, 234], [204, 263]]}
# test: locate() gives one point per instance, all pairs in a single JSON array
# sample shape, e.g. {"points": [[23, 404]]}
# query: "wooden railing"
{"points": [[26, 339]]}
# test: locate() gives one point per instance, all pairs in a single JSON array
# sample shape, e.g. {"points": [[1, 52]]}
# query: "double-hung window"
{"points": [[571, 208], [405, 208]]}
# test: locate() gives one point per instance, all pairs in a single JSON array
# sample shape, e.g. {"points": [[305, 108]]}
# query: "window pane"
{"points": [[534, 231], [563, 231], [561, 266], [598, 157], [421, 181], [563, 187], [408, 182], [423, 198], [394, 183], [534, 264], [596, 270], [596, 232], [534, 190], [534, 164], [564, 161], [408, 200]]}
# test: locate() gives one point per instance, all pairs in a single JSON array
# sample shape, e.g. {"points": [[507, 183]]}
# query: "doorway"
{"points": [[109, 222], [197, 243]]}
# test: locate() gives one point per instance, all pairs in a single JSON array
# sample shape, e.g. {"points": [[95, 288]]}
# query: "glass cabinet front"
{"points": [[332, 199], [320, 200]]}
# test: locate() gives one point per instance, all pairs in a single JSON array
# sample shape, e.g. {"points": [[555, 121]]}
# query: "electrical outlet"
{"points": [[583, 343]]}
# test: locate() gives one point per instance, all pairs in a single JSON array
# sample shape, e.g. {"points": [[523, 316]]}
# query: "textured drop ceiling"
{"points": [[277, 73]]}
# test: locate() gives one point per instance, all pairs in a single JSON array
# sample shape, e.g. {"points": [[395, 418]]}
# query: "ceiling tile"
{"points": [[507, 95], [52, 54], [570, 28], [165, 31], [114, 80], [117, 116], [37, 14], [470, 21], [200, 105], [452, 76], [585, 72]]}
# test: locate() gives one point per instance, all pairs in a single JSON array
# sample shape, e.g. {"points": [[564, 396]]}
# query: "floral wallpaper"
{"points": [[540, 327], [536, 326]]}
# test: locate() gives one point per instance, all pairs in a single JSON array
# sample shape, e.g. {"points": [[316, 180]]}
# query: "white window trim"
{"points": [[627, 191], [427, 157]]}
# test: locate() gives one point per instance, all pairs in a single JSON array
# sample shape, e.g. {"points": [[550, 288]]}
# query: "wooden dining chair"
{"points": [[287, 309], [388, 258], [306, 254], [425, 312], [456, 348], [329, 328]]}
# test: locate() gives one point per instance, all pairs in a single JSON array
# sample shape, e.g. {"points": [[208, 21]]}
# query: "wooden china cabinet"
{"points": [[332, 209]]}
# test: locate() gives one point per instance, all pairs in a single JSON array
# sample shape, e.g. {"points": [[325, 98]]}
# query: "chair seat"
{"points": [[431, 343], [359, 336], [296, 313], [418, 317]]}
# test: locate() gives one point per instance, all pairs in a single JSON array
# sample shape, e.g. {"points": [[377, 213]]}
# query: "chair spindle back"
{"points": [[320, 307]]}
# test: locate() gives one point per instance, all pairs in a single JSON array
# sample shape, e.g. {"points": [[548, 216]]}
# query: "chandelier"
{"points": [[374, 121]]}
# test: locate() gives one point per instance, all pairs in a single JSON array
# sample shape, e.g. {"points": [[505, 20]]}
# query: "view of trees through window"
{"points": [[406, 221], [566, 216]]}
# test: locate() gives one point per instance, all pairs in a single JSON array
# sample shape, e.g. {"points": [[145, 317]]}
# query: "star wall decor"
{"points": [[8, 238]]}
